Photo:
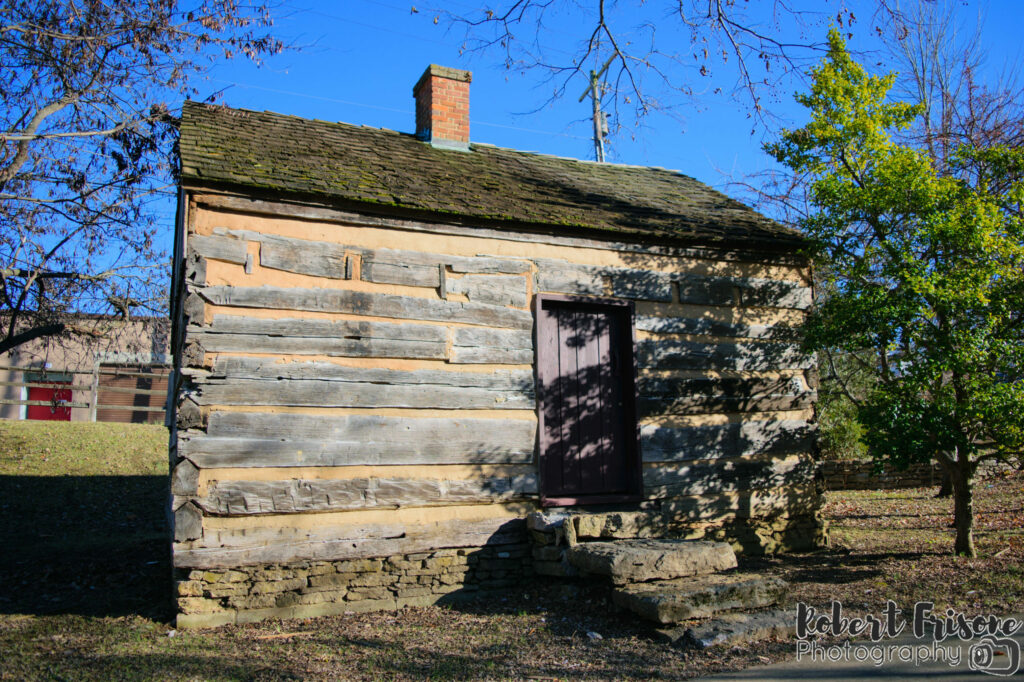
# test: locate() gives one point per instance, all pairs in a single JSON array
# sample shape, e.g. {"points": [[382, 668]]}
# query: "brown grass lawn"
{"points": [[86, 585]]}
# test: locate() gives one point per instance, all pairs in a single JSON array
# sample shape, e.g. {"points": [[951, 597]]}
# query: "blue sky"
{"points": [[358, 61]]}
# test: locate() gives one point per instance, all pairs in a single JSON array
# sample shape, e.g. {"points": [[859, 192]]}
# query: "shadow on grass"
{"points": [[86, 545], [834, 567]]}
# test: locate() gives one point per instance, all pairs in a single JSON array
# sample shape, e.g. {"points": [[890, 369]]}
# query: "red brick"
{"points": [[442, 106]]}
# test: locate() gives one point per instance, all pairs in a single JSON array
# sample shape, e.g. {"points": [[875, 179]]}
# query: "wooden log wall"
{"points": [[354, 386]]}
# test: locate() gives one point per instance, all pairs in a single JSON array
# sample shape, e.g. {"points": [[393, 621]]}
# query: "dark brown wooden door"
{"points": [[586, 397]]}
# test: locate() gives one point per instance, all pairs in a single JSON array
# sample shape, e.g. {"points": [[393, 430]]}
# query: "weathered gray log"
{"points": [[363, 303], [743, 291], [301, 256], [306, 211], [320, 259], [353, 338], [315, 393], [266, 439], [700, 290], [184, 478], [708, 327], [674, 395], [652, 406], [243, 547], [239, 498], [290, 345], [560, 278], [482, 264], [679, 354], [399, 272], [189, 416], [270, 368], [504, 290], [739, 387], [217, 247], [498, 346], [195, 268], [761, 292], [345, 329], [462, 264], [188, 523], [676, 444], [494, 356], [727, 476], [796, 500], [641, 285], [194, 308], [652, 285], [193, 355]]}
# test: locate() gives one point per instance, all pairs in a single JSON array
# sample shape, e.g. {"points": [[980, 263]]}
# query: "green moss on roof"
{"points": [[386, 169]]}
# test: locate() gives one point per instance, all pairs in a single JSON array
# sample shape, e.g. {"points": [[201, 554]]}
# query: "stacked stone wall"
{"points": [[554, 532], [862, 475], [316, 588]]}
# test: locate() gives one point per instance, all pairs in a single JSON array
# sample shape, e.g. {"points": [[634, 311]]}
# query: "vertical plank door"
{"points": [[57, 410], [587, 397]]}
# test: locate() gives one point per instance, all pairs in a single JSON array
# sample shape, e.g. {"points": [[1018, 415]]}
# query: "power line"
{"points": [[408, 111]]}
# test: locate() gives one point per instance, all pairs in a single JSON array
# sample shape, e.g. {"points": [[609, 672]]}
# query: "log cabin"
{"points": [[399, 356]]}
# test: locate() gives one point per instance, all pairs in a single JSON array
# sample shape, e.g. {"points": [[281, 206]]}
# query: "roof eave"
{"points": [[792, 245]]}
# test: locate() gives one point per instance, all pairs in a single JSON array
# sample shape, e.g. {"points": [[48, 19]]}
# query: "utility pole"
{"points": [[600, 123]]}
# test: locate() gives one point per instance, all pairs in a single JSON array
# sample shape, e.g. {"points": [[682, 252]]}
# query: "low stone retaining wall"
{"points": [[208, 598], [859, 475]]}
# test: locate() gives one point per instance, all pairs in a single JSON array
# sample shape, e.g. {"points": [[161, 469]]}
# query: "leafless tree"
{"points": [[940, 60], [657, 52], [86, 141]]}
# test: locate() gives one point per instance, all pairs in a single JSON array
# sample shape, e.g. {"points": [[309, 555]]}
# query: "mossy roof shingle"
{"points": [[389, 171]]}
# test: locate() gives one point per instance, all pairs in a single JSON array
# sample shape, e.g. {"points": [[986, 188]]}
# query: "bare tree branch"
{"points": [[86, 141]]}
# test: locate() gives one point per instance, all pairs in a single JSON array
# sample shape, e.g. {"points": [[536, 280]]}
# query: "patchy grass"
{"points": [[30, 448], [87, 585], [898, 544], [84, 528]]}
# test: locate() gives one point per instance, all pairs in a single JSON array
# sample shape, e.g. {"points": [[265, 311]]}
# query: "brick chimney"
{"points": [[442, 107]]}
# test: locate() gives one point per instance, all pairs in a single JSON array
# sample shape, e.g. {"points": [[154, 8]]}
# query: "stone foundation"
{"points": [[552, 533], [208, 598]]}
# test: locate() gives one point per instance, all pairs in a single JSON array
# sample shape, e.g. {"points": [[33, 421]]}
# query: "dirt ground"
{"points": [[86, 594]]}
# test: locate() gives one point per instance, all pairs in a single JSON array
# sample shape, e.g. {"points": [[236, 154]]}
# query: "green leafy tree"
{"points": [[924, 277]]}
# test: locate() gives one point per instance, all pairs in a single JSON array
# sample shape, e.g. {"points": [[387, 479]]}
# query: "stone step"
{"points": [[731, 629], [633, 561], [673, 601]]}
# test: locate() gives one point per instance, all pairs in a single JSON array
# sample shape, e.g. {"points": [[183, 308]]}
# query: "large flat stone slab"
{"points": [[632, 561], [673, 601], [730, 629], [612, 525]]}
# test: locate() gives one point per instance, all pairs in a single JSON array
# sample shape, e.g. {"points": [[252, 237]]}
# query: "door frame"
{"points": [[624, 312]]}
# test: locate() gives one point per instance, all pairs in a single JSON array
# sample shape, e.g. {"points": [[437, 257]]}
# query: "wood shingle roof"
{"points": [[385, 171]]}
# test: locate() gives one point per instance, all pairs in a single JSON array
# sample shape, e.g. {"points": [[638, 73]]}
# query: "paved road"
{"points": [[854, 671]]}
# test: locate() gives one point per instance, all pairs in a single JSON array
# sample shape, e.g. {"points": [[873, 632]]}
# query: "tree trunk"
{"points": [[963, 509], [946, 487]]}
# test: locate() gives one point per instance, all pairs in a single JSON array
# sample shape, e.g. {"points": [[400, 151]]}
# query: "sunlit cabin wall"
{"points": [[358, 387]]}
